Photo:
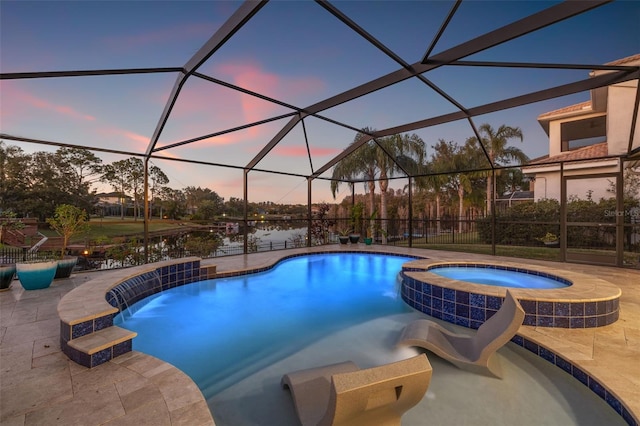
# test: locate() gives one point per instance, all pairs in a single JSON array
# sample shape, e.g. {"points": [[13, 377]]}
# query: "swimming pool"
{"points": [[500, 277], [244, 328], [249, 317]]}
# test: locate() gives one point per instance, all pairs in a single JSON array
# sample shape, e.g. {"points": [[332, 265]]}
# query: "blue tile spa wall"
{"points": [[472, 309]]}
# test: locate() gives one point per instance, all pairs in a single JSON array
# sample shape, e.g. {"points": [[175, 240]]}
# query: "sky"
{"points": [[292, 51]]}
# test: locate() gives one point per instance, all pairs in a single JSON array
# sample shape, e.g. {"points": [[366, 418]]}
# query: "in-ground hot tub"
{"points": [[499, 276], [579, 300]]}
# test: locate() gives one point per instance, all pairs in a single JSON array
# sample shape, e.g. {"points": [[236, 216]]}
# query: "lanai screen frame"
{"points": [[451, 57]]}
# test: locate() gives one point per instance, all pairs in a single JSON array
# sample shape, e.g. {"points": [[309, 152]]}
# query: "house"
{"points": [[509, 199], [589, 140], [109, 203]]}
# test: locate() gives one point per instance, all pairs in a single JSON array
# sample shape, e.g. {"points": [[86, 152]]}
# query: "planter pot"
{"points": [[344, 239], [555, 243], [6, 276], [65, 267], [368, 241], [354, 238], [38, 275]]}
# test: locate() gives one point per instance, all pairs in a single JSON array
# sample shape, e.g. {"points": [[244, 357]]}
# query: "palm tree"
{"points": [[378, 159], [444, 163], [390, 153], [495, 144], [359, 164]]}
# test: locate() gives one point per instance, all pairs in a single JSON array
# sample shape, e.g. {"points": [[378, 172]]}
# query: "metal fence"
{"points": [[523, 239], [21, 254]]}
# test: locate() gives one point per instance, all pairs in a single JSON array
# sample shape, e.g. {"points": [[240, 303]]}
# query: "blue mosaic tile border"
{"points": [[579, 374], [125, 294], [149, 283], [472, 309]]}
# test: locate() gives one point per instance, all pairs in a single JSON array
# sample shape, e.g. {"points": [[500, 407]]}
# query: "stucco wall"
{"points": [[620, 112]]}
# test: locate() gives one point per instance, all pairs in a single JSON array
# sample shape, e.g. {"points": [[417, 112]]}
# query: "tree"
{"points": [[495, 144], [67, 221], [195, 196], [377, 159], [48, 185], [14, 182], [157, 179], [360, 164], [135, 174], [82, 165], [440, 178], [207, 210], [116, 174], [410, 150], [173, 202]]}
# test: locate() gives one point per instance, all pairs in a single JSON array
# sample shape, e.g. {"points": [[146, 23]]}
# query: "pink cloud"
{"points": [[139, 143], [204, 107], [18, 100], [252, 76]]}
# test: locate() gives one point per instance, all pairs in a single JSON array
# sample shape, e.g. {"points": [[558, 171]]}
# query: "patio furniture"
{"points": [[342, 394], [475, 353]]}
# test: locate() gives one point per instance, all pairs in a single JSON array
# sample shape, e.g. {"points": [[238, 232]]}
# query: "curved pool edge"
{"points": [[85, 314], [588, 302], [564, 356]]}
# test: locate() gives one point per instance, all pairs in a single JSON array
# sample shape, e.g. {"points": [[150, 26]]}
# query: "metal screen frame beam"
{"points": [[240, 17]]}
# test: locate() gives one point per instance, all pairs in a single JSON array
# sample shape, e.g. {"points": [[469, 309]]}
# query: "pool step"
{"points": [[101, 346]]}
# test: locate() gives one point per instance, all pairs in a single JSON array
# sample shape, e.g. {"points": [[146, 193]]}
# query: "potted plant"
{"points": [[67, 220], [356, 217], [36, 274], [8, 222], [7, 271], [549, 239], [343, 235]]}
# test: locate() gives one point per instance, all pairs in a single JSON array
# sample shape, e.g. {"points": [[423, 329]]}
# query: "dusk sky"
{"points": [[292, 51]]}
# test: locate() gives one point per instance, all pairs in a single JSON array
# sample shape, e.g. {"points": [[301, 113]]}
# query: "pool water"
{"points": [[236, 337], [235, 326], [497, 277]]}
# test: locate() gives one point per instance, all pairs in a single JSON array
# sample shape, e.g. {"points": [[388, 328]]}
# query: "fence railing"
{"points": [[512, 238], [20, 254]]}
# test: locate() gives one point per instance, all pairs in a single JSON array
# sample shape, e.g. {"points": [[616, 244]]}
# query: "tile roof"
{"points": [[590, 152], [582, 106], [587, 105], [632, 58]]}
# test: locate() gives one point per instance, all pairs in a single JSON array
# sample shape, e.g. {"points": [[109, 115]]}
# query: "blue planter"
{"points": [[6, 276], [37, 275], [65, 267]]}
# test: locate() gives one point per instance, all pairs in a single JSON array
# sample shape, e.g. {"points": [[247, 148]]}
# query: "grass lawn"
{"points": [[115, 227]]}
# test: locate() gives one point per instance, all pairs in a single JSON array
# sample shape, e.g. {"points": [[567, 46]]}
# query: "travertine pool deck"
{"points": [[39, 385]]}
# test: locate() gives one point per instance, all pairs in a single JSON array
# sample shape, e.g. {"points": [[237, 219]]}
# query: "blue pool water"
{"points": [[236, 337], [497, 277], [220, 331]]}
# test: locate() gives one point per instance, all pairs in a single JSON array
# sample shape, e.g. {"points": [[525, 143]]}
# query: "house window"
{"points": [[581, 133]]}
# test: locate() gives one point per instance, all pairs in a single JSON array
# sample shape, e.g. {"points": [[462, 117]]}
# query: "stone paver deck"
{"points": [[39, 385]]}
